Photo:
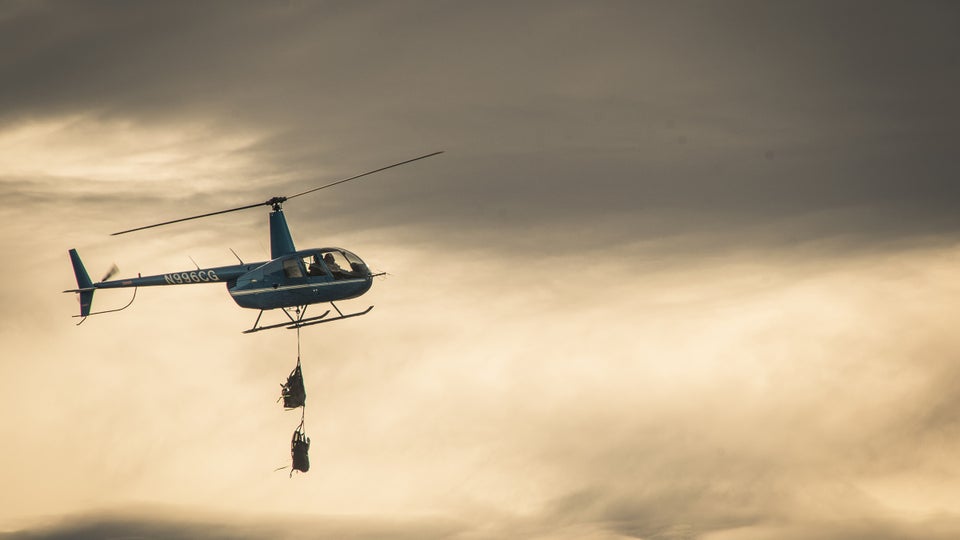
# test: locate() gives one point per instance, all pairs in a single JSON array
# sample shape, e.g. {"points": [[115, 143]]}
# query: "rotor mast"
{"points": [[281, 242]]}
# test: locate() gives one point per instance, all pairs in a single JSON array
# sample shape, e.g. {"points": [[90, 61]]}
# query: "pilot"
{"points": [[332, 264]]}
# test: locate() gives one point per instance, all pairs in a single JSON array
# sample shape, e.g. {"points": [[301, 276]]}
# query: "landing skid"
{"points": [[299, 319], [315, 320]]}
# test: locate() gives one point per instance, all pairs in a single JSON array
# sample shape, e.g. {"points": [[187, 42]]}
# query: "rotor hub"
{"points": [[276, 203]]}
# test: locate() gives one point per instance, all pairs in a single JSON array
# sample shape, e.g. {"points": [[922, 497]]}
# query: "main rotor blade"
{"points": [[365, 174], [276, 200], [191, 217]]}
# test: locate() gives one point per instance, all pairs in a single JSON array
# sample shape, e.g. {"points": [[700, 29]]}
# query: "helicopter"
{"points": [[290, 281]]}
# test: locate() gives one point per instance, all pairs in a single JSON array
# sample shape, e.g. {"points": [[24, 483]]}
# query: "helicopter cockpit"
{"points": [[332, 262]]}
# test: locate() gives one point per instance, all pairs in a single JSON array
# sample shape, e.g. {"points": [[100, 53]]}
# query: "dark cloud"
{"points": [[762, 123], [584, 514], [166, 524]]}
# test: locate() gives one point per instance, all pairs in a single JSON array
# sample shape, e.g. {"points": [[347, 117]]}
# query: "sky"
{"points": [[685, 270]]}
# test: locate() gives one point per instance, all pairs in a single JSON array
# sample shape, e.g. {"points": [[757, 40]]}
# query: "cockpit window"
{"points": [[336, 263], [356, 265], [353, 259]]}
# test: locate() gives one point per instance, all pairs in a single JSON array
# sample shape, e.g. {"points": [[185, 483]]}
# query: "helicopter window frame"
{"points": [[314, 265]]}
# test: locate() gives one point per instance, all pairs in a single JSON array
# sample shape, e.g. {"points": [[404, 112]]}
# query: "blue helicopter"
{"points": [[290, 281]]}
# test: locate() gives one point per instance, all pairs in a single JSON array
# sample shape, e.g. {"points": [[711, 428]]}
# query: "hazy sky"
{"points": [[687, 270]]}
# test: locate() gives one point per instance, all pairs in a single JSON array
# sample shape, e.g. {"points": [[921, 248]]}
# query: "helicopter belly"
{"points": [[299, 294]]}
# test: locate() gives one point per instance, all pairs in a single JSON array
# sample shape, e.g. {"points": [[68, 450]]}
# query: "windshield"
{"points": [[353, 259]]}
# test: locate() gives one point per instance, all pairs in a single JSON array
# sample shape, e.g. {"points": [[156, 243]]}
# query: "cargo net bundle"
{"points": [[294, 395]]}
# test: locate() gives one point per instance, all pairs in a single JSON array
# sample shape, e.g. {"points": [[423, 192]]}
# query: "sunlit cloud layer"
{"points": [[111, 151]]}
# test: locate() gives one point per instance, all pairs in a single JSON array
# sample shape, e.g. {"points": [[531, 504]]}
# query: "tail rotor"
{"points": [[111, 272], [85, 287]]}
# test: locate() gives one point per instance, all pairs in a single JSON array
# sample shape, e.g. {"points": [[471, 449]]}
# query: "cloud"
{"points": [[734, 400], [684, 271], [618, 520], [742, 125], [167, 523]]}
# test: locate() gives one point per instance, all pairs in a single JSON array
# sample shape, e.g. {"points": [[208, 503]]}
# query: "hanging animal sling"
{"points": [[299, 447], [293, 392]]}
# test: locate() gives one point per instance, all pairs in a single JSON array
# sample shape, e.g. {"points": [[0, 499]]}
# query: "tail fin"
{"points": [[84, 285]]}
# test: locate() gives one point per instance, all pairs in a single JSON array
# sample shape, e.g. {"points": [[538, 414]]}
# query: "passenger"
{"points": [[315, 269]]}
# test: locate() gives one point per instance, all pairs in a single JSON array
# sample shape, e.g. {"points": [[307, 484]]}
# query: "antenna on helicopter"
{"points": [[276, 202]]}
